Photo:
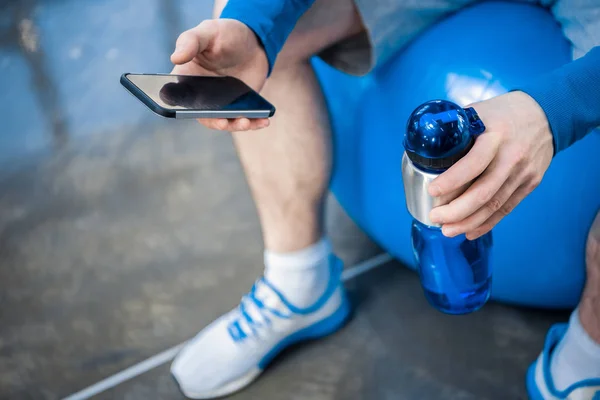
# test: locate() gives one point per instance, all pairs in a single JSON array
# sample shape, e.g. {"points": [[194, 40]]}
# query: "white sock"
{"points": [[577, 356], [301, 276]]}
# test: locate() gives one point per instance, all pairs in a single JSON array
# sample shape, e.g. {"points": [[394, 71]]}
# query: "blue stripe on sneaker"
{"points": [[237, 334], [335, 266], [532, 387], [322, 328]]}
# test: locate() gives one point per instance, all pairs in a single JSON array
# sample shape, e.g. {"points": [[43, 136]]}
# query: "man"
{"points": [[288, 162]]}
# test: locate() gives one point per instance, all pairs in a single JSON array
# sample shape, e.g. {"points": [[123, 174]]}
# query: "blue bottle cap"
{"points": [[439, 133]]}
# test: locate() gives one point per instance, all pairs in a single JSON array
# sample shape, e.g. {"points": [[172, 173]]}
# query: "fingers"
{"points": [[482, 193], [255, 124], [220, 124], [510, 205], [193, 42], [498, 204], [234, 125], [469, 167]]}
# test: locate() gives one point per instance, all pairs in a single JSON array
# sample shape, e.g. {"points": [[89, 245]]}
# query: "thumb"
{"points": [[193, 42]]}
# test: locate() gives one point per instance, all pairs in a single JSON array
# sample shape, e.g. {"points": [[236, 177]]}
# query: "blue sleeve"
{"points": [[271, 20], [570, 97]]}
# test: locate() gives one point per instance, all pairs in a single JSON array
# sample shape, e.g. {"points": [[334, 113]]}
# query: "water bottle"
{"points": [[455, 272]]}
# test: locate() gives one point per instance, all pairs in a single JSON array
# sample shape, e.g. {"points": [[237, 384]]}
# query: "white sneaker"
{"points": [[232, 352], [540, 385]]}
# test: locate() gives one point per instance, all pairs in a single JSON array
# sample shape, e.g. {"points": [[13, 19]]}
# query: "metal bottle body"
{"points": [[416, 190]]}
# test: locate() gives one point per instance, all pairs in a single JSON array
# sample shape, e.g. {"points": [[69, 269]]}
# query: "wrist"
{"points": [[530, 113], [260, 58], [252, 43]]}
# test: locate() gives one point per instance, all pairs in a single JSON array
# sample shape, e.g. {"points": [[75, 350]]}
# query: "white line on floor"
{"points": [[365, 266], [127, 374], [167, 355]]}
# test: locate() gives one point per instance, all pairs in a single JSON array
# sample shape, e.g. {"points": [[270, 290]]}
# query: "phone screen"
{"points": [[208, 93]]}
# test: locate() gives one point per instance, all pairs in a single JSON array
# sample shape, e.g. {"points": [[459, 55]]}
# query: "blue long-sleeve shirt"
{"points": [[570, 95]]}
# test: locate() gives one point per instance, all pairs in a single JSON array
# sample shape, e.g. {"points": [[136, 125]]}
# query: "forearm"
{"points": [[570, 97], [271, 20]]}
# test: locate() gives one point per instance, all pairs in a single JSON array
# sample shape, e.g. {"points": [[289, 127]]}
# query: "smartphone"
{"points": [[184, 96]]}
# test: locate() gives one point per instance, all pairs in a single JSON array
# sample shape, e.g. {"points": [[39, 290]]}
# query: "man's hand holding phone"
{"points": [[223, 47]]}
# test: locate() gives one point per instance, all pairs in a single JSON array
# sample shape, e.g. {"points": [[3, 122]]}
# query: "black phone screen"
{"points": [[210, 93]]}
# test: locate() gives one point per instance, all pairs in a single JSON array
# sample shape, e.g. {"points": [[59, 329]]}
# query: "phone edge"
{"points": [[186, 114], [141, 96]]}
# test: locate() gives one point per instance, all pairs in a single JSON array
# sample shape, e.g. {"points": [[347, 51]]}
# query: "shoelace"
{"points": [[250, 301]]}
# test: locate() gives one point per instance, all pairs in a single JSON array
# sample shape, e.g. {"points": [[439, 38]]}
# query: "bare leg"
{"points": [[589, 308], [577, 356], [288, 164]]}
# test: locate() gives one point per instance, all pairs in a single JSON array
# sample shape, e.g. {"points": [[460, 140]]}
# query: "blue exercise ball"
{"points": [[477, 53]]}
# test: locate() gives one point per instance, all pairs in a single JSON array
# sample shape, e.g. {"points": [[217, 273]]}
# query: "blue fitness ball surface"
{"points": [[477, 53]]}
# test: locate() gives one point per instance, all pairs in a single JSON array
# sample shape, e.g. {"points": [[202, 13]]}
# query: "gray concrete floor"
{"points": [[122, 234]]}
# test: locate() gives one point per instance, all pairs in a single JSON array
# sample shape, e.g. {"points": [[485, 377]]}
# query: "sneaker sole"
{"points": [[323, 328]]}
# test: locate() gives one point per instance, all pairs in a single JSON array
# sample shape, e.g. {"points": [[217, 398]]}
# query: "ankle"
{"points": [[302, 276], [293, 222], [298, 259], [589, 317], [295, 237]]}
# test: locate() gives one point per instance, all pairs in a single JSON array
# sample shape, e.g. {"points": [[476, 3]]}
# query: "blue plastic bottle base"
{"points": [[455, 272], [473, 300]]}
